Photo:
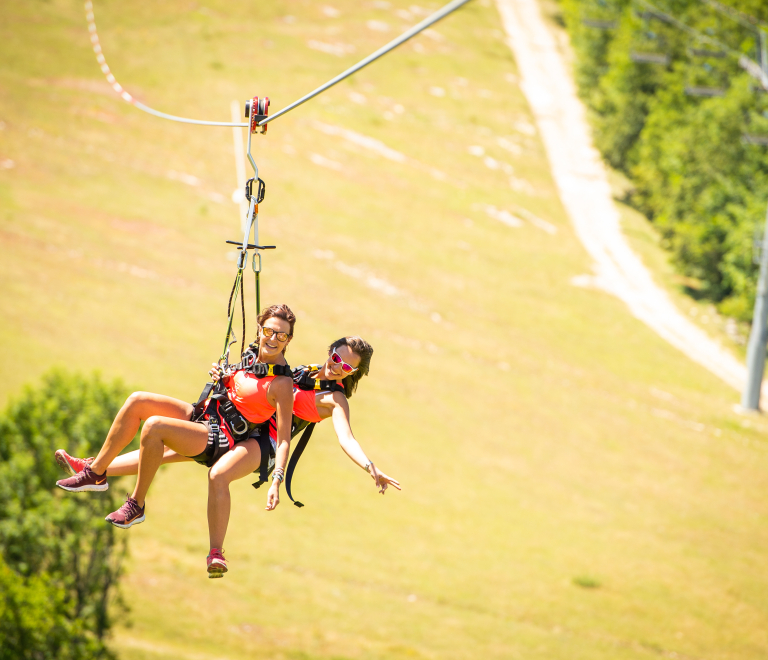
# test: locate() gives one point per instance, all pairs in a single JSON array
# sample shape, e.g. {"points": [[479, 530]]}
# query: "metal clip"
{"points": [[260, 191]]}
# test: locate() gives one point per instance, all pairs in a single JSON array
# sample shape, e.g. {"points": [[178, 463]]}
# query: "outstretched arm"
{"points": [[351, 447]]}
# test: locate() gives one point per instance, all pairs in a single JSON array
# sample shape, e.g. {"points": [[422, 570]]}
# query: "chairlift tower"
{"points": [[758, 336]]}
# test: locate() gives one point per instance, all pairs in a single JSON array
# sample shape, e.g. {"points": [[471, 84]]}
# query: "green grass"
{"points": [[545, 439]]}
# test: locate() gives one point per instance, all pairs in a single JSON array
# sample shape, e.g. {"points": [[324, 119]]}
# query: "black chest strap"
{"points": [[260, 369], [303, 380]]}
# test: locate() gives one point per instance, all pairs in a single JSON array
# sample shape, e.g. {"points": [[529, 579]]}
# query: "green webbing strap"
{"points": [[257, 274], [258, 296], [235, 290]]}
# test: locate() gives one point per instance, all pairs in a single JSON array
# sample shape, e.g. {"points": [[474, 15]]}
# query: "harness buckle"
{"points": [[240, 426]]}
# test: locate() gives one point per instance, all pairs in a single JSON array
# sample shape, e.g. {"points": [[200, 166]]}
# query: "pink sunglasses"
{"points": [[346, 368]]}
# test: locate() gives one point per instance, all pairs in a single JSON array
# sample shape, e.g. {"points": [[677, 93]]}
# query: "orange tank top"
{"points": [[249, 394], [305, 405]]}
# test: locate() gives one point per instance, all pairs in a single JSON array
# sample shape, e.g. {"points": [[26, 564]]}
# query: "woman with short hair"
{"points": [[232, 421]]}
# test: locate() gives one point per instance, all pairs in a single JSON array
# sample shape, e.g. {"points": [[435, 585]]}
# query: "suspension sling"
{"points": [[226, 425]]}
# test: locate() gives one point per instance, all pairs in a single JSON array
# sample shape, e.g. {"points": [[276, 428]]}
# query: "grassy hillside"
{"points": [[573, 486]]}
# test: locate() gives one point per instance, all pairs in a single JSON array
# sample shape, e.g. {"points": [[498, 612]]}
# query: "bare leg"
{"points": [[137, 407], [235, 464], [159, 433], [128, 464]]}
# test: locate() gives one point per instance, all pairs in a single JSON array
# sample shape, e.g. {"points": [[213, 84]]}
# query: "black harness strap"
{"points": [[295, 456], [199, 407], [260, 369], [304, 381], [224, 420], [267, 456]]}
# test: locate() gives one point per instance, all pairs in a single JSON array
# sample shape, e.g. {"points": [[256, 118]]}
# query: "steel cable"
{"points": [[430, 20], [439, 14]]}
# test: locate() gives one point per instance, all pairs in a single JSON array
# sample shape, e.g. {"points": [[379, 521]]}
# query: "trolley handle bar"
{"points": [[253, 247]]}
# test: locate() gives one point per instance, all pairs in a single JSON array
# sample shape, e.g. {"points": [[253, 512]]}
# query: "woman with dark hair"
{"points": [[231, 424], [332, 384], [320, 392]]}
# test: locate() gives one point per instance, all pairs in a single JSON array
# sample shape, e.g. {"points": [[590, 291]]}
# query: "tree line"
{"points": [[677, 113], [59, 560]]}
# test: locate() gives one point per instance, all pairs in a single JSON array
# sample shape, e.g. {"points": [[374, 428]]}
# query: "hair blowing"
{"points": [[365, 351]]}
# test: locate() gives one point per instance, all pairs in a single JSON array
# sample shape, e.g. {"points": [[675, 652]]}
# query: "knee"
{"points": [[151, 430], [135, 401], [218, 478]]}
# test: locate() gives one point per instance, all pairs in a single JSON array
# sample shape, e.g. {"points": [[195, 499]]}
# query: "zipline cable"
{"points": [[123, 93], [430, 20]]}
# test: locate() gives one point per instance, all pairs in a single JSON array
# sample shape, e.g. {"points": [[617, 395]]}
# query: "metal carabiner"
{"points": [[253, 263]]}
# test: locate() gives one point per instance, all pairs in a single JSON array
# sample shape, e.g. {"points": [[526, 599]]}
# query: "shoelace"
{"points": [[129, 505], [82, 474]]}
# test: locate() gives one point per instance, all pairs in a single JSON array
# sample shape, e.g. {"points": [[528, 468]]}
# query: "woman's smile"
{"points": [[271, 345]]}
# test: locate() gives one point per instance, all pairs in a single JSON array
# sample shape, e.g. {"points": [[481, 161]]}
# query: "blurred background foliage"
{"points": [[672, 110], [59, 561]]}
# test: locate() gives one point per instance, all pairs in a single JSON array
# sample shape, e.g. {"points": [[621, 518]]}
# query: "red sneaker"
{"points": [[217, 565], [86, 479], [70, 464], [128, 514]]}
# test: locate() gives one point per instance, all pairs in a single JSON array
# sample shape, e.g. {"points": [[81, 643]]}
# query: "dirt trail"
{"points": [[583, 185]]}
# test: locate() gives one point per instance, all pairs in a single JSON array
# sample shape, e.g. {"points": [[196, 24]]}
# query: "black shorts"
{"points": [[210, 456]]}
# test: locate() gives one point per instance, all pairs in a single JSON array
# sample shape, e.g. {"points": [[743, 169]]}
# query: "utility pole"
{"points": [[758, 336]]}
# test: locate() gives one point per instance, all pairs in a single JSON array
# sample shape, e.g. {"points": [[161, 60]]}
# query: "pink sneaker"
{"points": [[217, 565], [86, 479], [70, 464], [127, 515]]}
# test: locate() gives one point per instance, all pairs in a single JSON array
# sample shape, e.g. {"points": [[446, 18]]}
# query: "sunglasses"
{"points": [[346, 368], [281, 336]]}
